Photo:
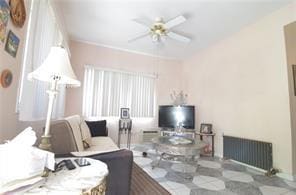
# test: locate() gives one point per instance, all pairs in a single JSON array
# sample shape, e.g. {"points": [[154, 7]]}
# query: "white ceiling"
{"points": [[109, 22]]}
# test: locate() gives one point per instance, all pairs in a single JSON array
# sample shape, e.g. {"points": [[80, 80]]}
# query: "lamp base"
{"points": [[45, 143]]}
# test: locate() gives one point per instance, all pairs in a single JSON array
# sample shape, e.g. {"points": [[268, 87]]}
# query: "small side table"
{"points": [[212, 135], [85, 180]]}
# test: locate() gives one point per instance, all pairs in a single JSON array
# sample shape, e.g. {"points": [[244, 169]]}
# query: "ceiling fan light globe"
{"points": [[158, 31]]}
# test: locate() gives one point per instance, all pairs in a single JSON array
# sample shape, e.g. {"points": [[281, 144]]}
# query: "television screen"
{"points": [[172, 116]]}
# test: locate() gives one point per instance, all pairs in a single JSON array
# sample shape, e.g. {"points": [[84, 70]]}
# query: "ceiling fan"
{"points": [[160, 29]]}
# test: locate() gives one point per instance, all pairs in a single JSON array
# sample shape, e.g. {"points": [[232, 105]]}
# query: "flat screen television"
{"points": [[171, 116]]}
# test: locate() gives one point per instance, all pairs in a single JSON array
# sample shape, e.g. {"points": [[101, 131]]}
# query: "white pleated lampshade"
{"points": [[58, 64]]}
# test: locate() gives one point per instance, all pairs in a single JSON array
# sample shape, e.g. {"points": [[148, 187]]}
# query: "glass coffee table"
{"points": [[178, 148]]}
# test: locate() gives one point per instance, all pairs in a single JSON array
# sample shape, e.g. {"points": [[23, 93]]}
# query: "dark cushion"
{"points": [[97, 128]]}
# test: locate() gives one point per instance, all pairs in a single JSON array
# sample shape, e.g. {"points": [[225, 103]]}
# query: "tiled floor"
{"points": [[212, 176]]}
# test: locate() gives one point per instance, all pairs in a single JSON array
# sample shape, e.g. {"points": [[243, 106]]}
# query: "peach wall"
{"points": [[168, 72], [240, 85], [9, 125]]}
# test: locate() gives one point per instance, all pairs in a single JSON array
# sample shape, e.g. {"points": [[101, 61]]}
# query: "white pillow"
{"points": [[85, 132]]}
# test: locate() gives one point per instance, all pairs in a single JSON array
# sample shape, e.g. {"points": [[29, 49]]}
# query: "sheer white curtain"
{"points": [[43, 32], [106, 91]]}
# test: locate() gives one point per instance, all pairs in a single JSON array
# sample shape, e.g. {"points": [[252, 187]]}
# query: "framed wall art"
{"points": [[12, 44], [6, 78], [4, 15], [17, 12], [206, 128], [124, 113]]}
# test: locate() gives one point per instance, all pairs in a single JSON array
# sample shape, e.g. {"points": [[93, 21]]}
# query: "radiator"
{"points": [[251, 152]]}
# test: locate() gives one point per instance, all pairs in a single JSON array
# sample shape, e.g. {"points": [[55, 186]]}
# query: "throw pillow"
{"points": [[97, 128]]}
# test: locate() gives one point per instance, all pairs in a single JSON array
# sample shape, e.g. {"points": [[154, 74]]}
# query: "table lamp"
{"points": [[56, 69]]}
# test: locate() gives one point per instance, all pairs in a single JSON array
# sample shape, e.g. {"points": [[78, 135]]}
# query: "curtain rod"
{"points": [[121, 71]]}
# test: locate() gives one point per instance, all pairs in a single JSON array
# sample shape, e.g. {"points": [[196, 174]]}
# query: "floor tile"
{"points": [[202, 191], [270, 181], [290, 193], [140, 148], [220, 185], [181, 191], [213, 177], [141, 161], [164, 184], [203, 179], [160, 179], [151, 151], [137, 153], [175, 185], [208, 186], [271, 190], [242, 178], [230, 174], [209, 164], [180, 167], [233, 167], [156, 172], [242, 188], [191, 185], [290, 183], [179, 177], [209, 172]]}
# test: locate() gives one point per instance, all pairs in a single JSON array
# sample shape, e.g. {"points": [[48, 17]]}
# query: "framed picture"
{"points": [[6, 78], [4, 15], [206, 128], [17, 12], [124, 113], [294, 77], [12, 44]]}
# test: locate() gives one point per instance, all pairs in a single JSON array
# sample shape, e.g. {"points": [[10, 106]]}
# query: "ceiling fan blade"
{"points": [[143, 22], [139, 36], [178, 37], [175, 21]]}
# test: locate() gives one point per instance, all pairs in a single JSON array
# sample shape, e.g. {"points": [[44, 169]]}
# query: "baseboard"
{"points": [[285, 176], [249, 166]]}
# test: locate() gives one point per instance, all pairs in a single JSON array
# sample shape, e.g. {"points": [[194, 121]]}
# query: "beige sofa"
{"points": [[87, 145], [71, 137]]}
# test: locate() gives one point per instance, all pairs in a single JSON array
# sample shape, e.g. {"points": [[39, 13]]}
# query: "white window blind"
{"points": [[43, 33], [106, 91]]}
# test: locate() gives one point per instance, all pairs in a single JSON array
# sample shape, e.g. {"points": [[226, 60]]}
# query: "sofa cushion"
{"points": [[74, 122], [85, 132], [100, 145], [97, 128]]}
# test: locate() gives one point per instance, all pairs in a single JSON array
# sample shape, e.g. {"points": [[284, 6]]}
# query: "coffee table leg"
{"points": [[157, 164], [186, 163], [197, 165]]}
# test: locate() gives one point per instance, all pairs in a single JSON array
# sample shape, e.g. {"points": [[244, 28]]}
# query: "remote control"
{"points": [[69, 164]]}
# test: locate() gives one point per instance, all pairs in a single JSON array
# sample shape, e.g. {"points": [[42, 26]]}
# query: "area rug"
{"points": [[143, 184]]}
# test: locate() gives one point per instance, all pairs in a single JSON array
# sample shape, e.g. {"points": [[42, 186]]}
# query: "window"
{"points": [[106, 91], [43, 32]]}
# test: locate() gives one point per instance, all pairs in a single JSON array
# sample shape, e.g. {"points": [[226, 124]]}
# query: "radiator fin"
{"points": [[251, 152]]}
